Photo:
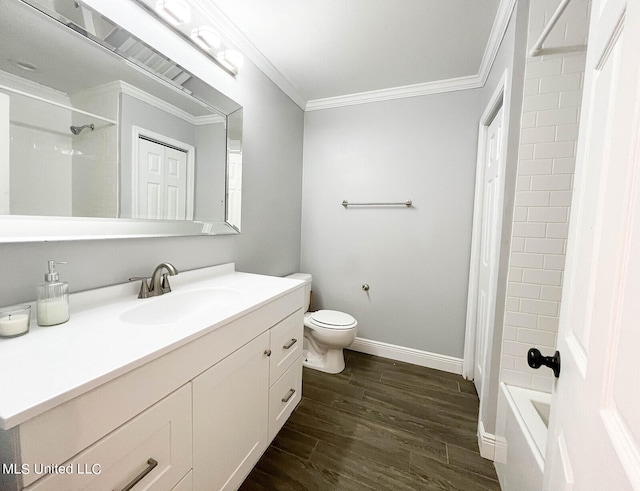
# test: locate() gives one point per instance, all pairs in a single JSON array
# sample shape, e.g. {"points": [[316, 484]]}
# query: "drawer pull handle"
{"points": [[290, 343], [151, 464], [267, 352], [289, 395]]}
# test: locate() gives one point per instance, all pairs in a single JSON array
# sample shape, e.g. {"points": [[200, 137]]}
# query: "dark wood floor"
{"points": [[378, 425]]}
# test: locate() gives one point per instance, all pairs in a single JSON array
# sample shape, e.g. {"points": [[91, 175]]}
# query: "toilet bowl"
{"points": [[326, 334]]}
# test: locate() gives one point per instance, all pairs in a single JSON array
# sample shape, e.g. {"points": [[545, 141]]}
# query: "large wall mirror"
{"points": [[101, 136]]}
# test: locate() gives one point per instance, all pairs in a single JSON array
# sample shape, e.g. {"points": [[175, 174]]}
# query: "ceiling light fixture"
{"points": [[206, 38], [173, 11]]}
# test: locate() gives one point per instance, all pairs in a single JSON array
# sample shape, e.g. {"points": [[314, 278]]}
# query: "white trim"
{"points": [[486, 443], [408, 355], [498, 99], [498, 30], [437, 87], [230, 32], [190, 150]]}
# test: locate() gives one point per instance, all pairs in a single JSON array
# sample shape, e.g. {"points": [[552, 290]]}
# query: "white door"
{"points": [[162, 181], [491, 220], [594, 433]]}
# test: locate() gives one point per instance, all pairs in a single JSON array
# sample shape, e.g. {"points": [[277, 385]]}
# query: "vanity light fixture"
{"points": [[206, 38], [173, 11], [182, 16], [231, 58]]}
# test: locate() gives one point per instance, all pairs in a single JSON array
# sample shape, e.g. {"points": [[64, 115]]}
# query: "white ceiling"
{"points": [[324, 49]]}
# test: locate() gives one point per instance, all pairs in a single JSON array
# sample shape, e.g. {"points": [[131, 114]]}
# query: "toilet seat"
{"points": [[332, 319]]}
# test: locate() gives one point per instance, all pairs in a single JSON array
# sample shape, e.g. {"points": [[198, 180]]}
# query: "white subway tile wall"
{"points": [[52, 171], [546, 161], [95, 164]]}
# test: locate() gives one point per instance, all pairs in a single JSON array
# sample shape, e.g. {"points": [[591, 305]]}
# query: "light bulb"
{"points": [[173, 11], [206, 38], [234, 57]]}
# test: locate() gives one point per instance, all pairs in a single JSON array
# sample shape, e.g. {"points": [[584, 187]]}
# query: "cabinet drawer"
{"points": [[161, 434], [286, 344], [284, 397]]}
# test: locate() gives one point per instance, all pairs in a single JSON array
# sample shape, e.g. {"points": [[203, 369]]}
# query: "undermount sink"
{"points": [[176, 306]]}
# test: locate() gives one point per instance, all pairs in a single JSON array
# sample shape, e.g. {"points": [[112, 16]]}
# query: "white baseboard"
{"points": [[408, 355], [486, 443]]}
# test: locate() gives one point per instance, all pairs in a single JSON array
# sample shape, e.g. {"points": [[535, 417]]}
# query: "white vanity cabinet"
{"points": [[230, 415], [205, 410], [238, 410]]}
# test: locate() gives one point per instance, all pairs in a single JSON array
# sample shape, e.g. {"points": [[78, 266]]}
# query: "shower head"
{"points": [[76, 130]]}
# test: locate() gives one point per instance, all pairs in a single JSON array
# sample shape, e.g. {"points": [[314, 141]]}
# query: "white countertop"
{"points": [[51, 365]]}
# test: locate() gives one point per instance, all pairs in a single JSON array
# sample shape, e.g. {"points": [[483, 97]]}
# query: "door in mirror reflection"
{"points": [[162, 181]]}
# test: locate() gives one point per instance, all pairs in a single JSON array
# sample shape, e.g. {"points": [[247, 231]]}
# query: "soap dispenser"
{"points": [[52, 306]]}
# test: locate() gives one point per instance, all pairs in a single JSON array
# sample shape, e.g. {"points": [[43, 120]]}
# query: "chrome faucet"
{"points": [[159, 282]]}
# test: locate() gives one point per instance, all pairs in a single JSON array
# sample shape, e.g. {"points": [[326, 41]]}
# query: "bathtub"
{"points": [[521, 437]]}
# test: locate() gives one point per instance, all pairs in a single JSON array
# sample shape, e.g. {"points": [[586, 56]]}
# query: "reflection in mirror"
{"points": [[234, 168], [88, 133]]}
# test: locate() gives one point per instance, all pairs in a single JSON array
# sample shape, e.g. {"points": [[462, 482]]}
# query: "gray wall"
{"points": [[416, 260], [210, 185], [272, 167]]}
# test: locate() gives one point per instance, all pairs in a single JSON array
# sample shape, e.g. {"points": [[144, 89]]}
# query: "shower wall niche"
{"points": [[52, 171]]}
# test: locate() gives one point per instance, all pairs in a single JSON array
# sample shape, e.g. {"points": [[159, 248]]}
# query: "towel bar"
{"points": [[407, 203]]}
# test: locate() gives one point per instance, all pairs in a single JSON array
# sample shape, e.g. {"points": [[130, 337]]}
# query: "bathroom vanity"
{"points": [[182, 391]]}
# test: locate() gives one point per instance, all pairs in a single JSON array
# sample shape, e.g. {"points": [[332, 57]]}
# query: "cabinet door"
{"points": [[230, 417]]}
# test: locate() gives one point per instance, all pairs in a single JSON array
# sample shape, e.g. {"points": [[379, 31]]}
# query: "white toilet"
{"points": [[326, 334]]}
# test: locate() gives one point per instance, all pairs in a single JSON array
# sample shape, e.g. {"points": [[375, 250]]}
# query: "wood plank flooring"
{"points": [[378, 425]]}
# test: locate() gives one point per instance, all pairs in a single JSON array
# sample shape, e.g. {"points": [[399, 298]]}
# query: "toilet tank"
{"points": [[307, 286]]}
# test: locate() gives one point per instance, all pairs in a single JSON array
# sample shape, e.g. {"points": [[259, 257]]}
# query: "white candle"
{"points": [[52, 311], [14, 324]]}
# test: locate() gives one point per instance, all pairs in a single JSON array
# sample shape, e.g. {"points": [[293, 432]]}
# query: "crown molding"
{"points": [[230, 32], [498, 30], [437, 87]]}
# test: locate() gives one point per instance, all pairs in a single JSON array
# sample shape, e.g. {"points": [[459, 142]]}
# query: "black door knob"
{"points": [[536, 360]]}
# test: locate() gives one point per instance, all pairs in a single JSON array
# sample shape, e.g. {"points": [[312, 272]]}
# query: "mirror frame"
{"points": [[31, 228]]}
